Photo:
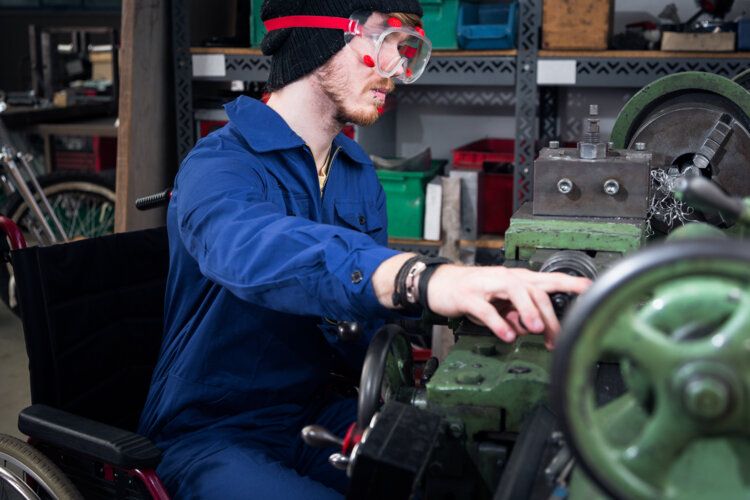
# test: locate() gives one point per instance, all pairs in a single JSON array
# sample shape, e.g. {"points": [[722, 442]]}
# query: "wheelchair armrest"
{"points": [[96, 440]]}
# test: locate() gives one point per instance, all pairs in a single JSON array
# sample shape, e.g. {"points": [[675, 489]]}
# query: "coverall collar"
{"points": [[265, 130]]}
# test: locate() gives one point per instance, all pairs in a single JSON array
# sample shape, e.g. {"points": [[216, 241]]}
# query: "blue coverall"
{"points": [[258, 260]]}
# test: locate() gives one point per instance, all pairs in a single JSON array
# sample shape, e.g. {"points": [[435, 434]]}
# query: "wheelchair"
{"points": [[92, 313]]}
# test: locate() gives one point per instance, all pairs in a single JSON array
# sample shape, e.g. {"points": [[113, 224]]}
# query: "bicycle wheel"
{"points": [[25, 473], [83, 202]]}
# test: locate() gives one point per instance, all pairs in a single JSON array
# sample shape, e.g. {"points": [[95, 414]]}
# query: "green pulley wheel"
{"points": [[743, 79], [691, 113], [676, 317]]}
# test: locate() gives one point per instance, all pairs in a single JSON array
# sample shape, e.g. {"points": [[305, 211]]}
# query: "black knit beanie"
{"points": [[299, 51]]}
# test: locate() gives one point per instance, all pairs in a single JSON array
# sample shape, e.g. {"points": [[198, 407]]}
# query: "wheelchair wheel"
{"points": [[84, 203], [27, 474]]}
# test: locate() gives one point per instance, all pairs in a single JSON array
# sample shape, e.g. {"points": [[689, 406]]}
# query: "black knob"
{"points": [[705, 195]]}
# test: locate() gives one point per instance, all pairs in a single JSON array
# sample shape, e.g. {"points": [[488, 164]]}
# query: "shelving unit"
{"points": [[518, 77]]}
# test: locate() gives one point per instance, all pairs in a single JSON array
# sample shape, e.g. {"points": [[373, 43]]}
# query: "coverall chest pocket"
{"points": [[297, 204], [360, 215]]}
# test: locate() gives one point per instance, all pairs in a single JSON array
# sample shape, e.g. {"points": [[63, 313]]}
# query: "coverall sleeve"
{"points": [[249, 245]]}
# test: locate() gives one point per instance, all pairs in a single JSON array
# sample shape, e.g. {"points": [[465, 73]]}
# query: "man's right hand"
{"points": [[508, 301]]}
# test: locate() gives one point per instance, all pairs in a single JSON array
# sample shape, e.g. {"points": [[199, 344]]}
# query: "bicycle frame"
{"points": [[13, 180]]}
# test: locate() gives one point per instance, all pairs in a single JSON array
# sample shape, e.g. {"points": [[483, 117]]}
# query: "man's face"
{"points": [[356, 89]]}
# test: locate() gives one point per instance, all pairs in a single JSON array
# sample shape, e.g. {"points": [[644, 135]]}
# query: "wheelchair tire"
{"points": [[74, 196], [29, 466]]}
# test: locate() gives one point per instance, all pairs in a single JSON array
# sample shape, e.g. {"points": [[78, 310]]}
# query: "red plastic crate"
{"points": [[495, 189], [475, 155], [205, 127], [496, 203], [92, 154]]}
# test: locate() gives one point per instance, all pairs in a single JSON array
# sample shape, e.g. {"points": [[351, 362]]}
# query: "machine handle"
{"points": [[702, 194], [154, 200], [320, 437]]}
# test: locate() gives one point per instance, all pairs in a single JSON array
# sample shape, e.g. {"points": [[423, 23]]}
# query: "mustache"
{"points": [[385, 84]]}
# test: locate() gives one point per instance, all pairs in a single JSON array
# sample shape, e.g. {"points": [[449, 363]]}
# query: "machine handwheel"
{"points": [[387, 366], [677, 319]]}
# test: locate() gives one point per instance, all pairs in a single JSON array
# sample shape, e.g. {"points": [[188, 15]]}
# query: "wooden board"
{"points": [[705, 42], [144, 143], [639, 54], [577, 24]]}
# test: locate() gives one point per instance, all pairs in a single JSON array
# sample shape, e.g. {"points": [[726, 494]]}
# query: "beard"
{"points": [[333, 79]]}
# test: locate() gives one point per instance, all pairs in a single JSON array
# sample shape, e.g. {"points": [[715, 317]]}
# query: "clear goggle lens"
{"points": [[401, 52]]}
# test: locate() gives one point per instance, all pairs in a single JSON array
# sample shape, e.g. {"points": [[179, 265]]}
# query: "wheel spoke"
{"points": [[660, 444], [735, 331], [633, 338]]}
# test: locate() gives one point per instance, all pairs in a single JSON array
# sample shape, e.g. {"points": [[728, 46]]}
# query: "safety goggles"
{"points": [[382, 42]]}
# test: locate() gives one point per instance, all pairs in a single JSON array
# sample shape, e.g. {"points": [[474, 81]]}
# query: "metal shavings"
{"points": [[664, 207]]}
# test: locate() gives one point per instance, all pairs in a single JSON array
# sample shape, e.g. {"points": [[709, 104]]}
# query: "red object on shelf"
{"points": [[92, 154], [496, 203], [205, 127], [495, 158], [475, 155]]}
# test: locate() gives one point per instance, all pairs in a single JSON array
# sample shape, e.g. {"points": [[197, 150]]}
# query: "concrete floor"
{"points": [[14, 372]]}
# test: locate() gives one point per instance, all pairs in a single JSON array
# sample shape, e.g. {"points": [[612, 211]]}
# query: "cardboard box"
{"points": [[577, 24], [699, 42], [101, 65]]}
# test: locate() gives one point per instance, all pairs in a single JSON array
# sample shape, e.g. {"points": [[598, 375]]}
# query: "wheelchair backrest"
{"points": [[92, 314]]}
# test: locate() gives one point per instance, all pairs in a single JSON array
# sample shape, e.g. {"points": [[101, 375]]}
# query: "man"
{"points": [[277, 231]]}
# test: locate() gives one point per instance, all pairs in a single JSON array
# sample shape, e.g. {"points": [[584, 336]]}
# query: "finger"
{"points": [[560, 282], [527, 309], [552, 325], [483, 313], [514, 319]]}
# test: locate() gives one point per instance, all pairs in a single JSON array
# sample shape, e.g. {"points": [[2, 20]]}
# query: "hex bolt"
{"points": [[554, 144], [565, 185], [456, 429], [611, 187], [640, 146]]}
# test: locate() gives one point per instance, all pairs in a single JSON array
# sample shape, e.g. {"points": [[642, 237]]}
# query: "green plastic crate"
{"points": [[404, 194], [440, 20], [440, 23], [257, 30]]}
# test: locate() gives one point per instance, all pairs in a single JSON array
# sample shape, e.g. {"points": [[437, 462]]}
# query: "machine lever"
{"points": [[701, 193], [319, 437], [339, 461]]}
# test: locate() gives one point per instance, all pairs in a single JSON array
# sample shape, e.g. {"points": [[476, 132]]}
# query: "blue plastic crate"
{"points": [[743, 34], [487, 26]]}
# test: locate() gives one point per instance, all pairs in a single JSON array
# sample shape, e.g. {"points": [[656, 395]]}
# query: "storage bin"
{"points": [[84, 153], [257, 30], [487, 26], [577, 24], [440, 21], [495, 158], [743, 34], [496, 202], [405, 198], [476, 154]]}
